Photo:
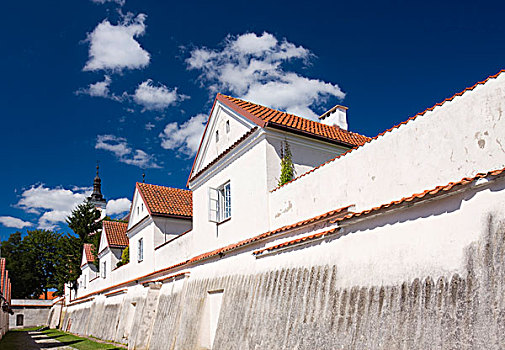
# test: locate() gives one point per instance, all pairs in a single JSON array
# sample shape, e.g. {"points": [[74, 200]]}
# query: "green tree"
{"points": [[68, 268], [86, 224], [19, 264], [33, 262], [84, 220], [287, 166], [125, 257], [43, 249]]}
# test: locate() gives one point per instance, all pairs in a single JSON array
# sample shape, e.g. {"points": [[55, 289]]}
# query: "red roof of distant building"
{"points": [[264, 116], [115, 232], [50, 296], [166, 201]]}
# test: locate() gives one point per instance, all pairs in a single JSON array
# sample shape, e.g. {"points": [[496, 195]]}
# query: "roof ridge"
{"points": [[371, 139], [286, 114], [173, 188]]}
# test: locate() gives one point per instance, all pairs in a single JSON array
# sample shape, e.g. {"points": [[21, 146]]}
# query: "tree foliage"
{"points": [[86, 224], [43, 260], [287, 166], [33, 262], [84, 220], [125, 257]]}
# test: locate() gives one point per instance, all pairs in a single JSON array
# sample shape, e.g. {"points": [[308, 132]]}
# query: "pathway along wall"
{"points": [[300, 308]]}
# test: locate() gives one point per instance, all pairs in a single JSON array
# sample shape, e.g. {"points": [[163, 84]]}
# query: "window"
{"points": [[217, 136], [140, 252], [227, 126], [20, 320], [220, 203], [104, 271], [142, 207], [84, 284]]}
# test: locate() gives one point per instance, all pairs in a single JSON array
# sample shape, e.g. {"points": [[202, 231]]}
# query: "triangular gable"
{"points": [[103, 240], [222, 112], [139, 209], [84, 261]]}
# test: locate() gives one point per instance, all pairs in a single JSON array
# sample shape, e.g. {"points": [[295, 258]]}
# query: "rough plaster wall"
{"points": [[301, 308], [33, 316]]}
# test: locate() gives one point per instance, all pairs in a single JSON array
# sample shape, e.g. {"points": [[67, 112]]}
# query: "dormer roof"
{"points": [[115, 232], [166, 201], [87, 254]]}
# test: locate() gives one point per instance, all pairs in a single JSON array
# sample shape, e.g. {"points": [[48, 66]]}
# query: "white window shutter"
{"points": [[213, 205]]}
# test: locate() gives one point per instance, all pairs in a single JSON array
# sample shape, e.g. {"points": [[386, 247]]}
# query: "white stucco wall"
{"points": [[455, 140], [210, 148], [306, 154]]}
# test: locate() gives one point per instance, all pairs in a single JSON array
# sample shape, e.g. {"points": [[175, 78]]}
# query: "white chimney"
{"points": [[337, 116]]}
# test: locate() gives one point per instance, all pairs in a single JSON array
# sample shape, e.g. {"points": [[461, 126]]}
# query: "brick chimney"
{"points": [[337, 116]]}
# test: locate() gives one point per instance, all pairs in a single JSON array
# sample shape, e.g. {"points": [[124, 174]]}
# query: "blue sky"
{"points": [[130, 83]]}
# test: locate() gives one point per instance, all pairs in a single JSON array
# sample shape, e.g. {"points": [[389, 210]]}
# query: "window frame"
{"points": [[104, 269], [140, 249], [220, 203]]}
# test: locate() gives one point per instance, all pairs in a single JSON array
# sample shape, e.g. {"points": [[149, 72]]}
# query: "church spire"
{"points": [[96, 197]]}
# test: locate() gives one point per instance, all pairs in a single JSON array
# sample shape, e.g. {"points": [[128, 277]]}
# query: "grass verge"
{"points": [[20, 339]]}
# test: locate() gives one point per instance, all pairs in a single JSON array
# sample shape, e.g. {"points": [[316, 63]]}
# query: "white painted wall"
{"points": [[210, 148], [455, 140], [138, 210]]}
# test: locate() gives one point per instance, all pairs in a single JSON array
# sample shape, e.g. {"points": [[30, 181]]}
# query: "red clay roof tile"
{"points": [[293, 123], [116, 233], [166, 201], [88, 252]]}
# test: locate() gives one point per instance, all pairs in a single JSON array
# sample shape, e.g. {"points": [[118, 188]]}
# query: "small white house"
{"points": [[158, 215], [88, 268], [112, 243]]}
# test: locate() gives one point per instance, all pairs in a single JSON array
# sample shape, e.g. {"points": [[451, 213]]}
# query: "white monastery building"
{"points": [[377, 243]]}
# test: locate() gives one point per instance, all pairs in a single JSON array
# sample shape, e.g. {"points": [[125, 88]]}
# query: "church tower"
{"points": [[96, 197]]}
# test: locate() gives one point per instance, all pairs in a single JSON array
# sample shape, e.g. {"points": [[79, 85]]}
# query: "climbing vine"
{"points": [[287, 166]]}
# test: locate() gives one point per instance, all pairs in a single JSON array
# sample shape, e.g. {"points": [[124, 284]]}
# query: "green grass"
{"points": [[77, 342], [17, 339]]}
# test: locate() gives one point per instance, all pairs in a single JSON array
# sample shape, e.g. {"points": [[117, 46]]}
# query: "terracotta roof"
{"points": [[298, 240], [396, 126], [115, 232], [420, 196], [166, 201], [88, 252], [268, 117], [50, 296]]}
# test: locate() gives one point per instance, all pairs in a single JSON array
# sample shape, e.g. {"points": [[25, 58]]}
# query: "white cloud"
{"points": [[118, 206], [55, 204], [9, 221], [184, 138], [119, 2], [125, 154], [252, 67], [153, 97], [113, 47], [99, 89]]}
